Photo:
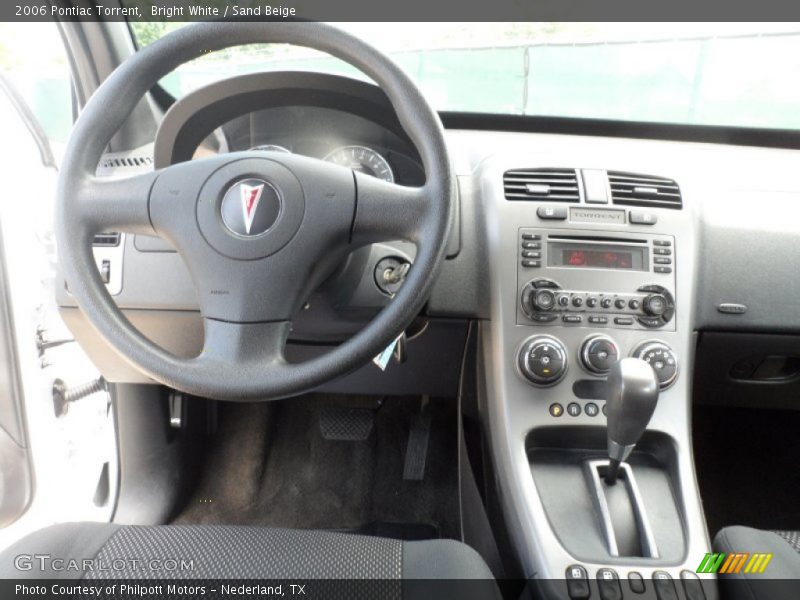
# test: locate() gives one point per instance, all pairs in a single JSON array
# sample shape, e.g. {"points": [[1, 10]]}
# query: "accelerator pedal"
{"points": [[417, 447]]}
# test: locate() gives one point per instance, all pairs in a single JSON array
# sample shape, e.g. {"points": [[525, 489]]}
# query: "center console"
{"points": [[585, 272]]}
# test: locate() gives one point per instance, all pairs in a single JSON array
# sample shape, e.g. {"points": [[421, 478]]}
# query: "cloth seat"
{"points": [[781, 577], [93, 551]]}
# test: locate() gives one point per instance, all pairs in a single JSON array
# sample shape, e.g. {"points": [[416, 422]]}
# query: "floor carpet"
{"points": [[269, 464]]}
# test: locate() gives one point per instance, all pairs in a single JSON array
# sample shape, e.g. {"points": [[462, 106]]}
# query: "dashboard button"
{"points": [[623, 320], [642, 218], [577, 583], [577, 301], [591, 409], [605, 302], [526, 262], [598, 320], [662, 269], [532, 245], [662, 251], [608, 585], [556, 410], [634, 304], [545, 283], [665, 587], [591, 302], [531, 254], [636, 581], [543, 317], [531, 236], [574, 409], [572, 319], [619, 303], [552, 213], [563, 300], [662, 243], [650, 321], [692, 586], [662, 260]]}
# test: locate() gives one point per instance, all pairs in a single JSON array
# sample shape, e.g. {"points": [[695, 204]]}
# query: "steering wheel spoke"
{"points": [[251, 346], [106, 204], [387, 211]]}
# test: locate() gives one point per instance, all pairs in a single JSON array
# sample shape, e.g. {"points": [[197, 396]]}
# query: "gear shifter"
{"points": [[632, 398]]}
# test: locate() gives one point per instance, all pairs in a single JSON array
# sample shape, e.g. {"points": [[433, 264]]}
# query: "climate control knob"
{"points": [[543, 360], [662, 358], [598, 354]]}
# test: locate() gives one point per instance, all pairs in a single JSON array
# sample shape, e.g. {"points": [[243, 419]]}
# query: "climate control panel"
{"points": [[543, 360], [545, 301]]}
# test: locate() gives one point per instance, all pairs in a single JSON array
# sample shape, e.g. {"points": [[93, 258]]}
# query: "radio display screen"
{"points": [[597, 256]]}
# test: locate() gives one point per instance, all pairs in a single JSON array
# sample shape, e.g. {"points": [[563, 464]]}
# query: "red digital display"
{"points": [[598, 258]]}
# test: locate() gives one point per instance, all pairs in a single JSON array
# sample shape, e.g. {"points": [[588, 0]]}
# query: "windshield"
{"points": [[728, 74]]}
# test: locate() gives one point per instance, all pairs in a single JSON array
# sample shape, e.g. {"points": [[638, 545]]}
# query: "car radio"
{"points": [[596, 279]]}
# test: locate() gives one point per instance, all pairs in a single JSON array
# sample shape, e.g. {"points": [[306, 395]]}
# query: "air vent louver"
{"points": [[630, 189], [106, 240], [127, 162], [552, 185]]}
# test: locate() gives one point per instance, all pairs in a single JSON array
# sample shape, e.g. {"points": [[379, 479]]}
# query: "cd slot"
{"points": [[594, 238]]}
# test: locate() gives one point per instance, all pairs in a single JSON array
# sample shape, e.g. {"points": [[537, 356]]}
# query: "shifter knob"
{"points": [[632, 398]]}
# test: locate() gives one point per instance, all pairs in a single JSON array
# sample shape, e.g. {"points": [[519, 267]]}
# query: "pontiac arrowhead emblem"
{"points": [[250, 195], [250, 207]]}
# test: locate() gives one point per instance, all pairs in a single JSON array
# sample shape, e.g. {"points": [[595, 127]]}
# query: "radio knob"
{"points": [[543, 360], [598, 354], [543, 300], [655, 305], [663, 360]]}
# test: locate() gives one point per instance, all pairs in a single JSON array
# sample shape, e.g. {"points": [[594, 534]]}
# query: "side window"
{"points": [[34, 61]]}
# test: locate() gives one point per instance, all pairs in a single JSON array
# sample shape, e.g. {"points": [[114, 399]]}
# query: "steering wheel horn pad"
{"points": [[224, 183], [251, 282]]}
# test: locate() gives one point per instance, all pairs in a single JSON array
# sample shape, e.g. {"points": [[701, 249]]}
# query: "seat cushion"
{"points": [[233, 552], [781, 577]]}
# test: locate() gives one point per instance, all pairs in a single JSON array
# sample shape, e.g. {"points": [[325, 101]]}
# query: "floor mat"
{"points": [[746, 462], [270, 464]]}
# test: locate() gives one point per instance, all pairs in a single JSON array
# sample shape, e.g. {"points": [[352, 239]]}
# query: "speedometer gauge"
{"points": [[361, 158]]}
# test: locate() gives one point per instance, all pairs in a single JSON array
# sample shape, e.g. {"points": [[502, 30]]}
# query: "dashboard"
{"points": [[340, 119]]}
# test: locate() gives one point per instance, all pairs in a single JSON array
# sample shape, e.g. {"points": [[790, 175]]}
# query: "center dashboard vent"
{"points": [[631, 189], [552, 185]]}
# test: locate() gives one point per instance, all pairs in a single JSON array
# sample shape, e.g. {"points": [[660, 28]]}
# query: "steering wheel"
{"points": [[258, 233]]}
